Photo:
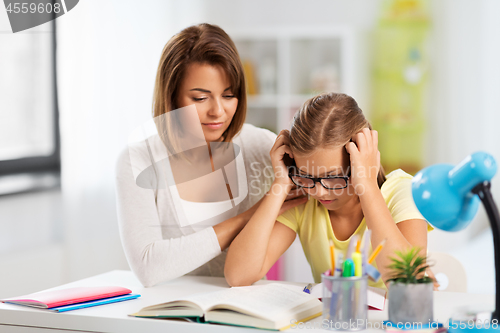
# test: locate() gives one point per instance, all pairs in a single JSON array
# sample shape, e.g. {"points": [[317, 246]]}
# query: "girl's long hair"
{"points": [[328, 120]]}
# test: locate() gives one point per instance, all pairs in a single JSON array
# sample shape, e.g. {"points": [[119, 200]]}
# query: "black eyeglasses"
{"points": [[330, 183]]}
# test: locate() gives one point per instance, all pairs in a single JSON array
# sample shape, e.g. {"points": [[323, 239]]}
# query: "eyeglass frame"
{"points": [[319, 179]]}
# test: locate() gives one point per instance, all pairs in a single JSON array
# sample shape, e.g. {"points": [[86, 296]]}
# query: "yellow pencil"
{"points": [[332, 256], [358, 244], [377, 251]]}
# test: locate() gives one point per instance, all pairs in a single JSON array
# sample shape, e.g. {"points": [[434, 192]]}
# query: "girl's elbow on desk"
{"points": [[239, 278]]}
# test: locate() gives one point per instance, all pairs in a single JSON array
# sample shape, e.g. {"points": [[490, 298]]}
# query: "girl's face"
{"points": [[208, 88], [324, 163]]}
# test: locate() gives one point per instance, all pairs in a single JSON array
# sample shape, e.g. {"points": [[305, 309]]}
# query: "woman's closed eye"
{"points": [[201, 99]]}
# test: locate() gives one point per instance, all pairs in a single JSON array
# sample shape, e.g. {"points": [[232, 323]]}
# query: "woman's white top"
{"points": [[164, 236]]}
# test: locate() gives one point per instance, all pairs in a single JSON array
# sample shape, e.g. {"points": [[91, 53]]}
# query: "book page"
{"points": [[267, 301], [208, 300]]}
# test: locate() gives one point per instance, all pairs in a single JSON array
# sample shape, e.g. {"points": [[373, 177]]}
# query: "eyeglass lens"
{"points": [[331, 183]]}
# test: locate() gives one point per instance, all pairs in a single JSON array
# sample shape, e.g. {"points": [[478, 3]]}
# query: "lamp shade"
{"points": [[442, 192]]}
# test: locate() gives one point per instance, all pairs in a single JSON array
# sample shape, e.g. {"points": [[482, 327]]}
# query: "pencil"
{"points": [[358, 245], [332, 256], [377, 251]]}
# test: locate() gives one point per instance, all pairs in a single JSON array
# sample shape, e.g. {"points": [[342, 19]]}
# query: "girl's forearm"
{"points": [[247, 252], [379, 220]]}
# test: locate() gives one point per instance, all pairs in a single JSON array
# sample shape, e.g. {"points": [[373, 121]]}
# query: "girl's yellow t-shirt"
{"points": [[311, 222]]}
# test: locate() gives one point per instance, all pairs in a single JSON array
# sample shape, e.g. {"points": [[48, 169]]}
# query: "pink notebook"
{"points": [[50, 299]]}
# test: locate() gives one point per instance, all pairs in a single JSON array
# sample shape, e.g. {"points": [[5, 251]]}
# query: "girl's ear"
{"points": [[289, 162], [348, 157]]}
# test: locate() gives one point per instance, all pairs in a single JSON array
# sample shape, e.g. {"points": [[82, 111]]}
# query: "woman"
{"points": [[338, 165], [185, 226]]}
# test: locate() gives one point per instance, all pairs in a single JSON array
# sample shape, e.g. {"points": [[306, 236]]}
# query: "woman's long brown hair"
{"points": [[205, 44]]}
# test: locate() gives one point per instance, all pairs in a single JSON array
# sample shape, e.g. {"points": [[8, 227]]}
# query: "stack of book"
{"points": [[68, 299]]}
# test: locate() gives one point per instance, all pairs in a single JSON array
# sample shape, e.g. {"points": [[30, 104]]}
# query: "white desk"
{"points": [[113, 317]]}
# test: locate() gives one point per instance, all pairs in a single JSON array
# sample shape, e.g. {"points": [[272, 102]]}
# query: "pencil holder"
{"points": [[345, 302]]}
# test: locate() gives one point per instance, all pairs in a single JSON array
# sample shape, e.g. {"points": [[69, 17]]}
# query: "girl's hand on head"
{"points": [[280, 147], [365, 159]]}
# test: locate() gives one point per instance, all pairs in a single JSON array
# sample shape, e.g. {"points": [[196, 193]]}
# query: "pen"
{"points": [[377, 251], [307, 289], [348, 271], [340, 263], [366, 245], [332, 255], [352, 244]]}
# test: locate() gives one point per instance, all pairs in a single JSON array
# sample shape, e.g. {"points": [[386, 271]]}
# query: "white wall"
{"points": [[464, 113]]}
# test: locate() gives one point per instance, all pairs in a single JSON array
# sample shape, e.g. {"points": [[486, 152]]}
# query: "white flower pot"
{"points": [[411, 303]]}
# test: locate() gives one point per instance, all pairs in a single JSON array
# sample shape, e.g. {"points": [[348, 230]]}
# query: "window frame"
{"points": [[41, 164]]}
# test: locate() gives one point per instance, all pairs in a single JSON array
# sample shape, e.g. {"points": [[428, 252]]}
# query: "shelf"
{"points": [[315, 65], [259, 58], [262, 101]]}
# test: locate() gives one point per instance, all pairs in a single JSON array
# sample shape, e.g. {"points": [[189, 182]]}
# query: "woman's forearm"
{"points": [[379, 220], [227, 230], [247, 253]]}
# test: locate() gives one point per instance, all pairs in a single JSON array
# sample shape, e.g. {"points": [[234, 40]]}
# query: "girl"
{"points": [[338, 165], [185, 228]]}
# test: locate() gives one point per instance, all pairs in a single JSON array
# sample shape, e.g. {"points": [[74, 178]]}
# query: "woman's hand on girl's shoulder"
{"points": [[365, 158], [280, 148], [295, 197]]}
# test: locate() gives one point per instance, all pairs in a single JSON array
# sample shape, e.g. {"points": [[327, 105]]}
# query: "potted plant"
{"points": [[410, 292]]}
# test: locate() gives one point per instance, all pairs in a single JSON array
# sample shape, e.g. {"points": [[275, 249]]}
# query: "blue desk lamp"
{"points": [[448, 197]]}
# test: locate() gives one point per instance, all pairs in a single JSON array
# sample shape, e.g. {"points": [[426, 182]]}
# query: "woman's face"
{"points": [[209, 89], [323, 163]]}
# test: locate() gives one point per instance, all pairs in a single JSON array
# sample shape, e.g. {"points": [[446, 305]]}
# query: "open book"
{"points": [[272, 306]]}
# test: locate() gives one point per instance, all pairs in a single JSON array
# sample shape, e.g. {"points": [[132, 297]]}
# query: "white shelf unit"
{"points": [[296, 55], [291, 65]]}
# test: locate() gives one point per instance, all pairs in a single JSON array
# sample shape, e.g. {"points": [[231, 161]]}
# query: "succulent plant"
{"points": [[409, 267]]}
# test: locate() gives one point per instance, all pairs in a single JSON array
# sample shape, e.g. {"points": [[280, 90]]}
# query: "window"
{"points": [[29, 130]]}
